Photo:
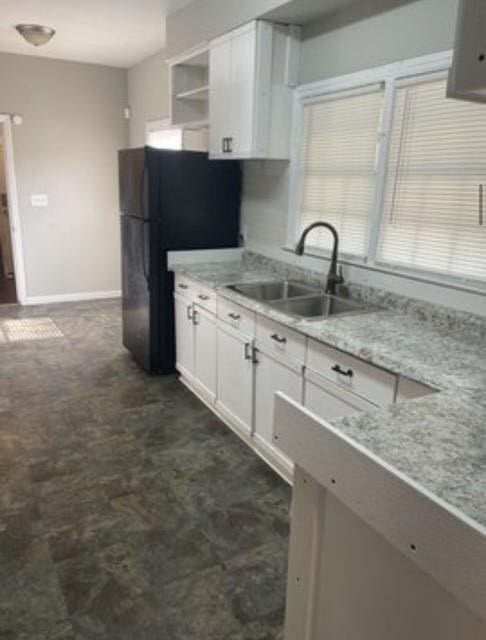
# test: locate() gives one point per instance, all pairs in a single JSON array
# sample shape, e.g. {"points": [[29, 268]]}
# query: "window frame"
{"points": [[389, 76]]}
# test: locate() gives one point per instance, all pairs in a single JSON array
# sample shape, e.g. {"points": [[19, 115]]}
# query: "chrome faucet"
{"points": [[334, 276]]}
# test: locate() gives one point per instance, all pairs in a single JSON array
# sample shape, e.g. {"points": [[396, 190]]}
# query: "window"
{"points": [[436, 167], [397, 167], [338, 167]]}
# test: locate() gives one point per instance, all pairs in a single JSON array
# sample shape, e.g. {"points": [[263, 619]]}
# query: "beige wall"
{"points": [[148, 95], [67, 148], [376, 32]]}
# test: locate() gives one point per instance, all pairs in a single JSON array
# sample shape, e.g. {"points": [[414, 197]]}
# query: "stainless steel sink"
{"points": [[318, 306], [269, 291]]}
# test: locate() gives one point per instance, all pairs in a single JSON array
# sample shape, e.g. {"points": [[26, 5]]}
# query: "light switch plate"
{"points": [[39, 200]]}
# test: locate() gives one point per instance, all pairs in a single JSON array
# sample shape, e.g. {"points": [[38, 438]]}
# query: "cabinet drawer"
{"points": [[328, 400], [206, 298], [280, 339], [368, 381], [237, 316], [185, 286]]}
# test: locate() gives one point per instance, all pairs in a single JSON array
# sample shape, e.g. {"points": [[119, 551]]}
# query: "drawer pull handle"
{"points": [[349, 373], [279, 339], [234, 316], [248, 351], [183, 286], [203, 297], [195, 316]]}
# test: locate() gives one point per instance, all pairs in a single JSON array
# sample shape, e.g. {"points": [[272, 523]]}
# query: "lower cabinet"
{"points": [[184, 336], [237, 365], [328, 401], [234, 397], [205, 351], [196, 345], [272, 375]]}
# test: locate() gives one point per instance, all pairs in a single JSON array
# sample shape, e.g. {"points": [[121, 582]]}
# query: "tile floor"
{"points": [[127, 510]]}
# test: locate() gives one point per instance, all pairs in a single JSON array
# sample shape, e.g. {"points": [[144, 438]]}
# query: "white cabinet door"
{"points": [[235, 378], [220, 95], [184, 336], [272, 376], [328, 401], [243, 70], [205, 351]]}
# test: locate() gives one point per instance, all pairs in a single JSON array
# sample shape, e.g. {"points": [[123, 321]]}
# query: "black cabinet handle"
{"points": [[194, 317], [183, 286], [234, 316], [349, 373], [229, 147], [248, 350], [203, 297], [223, 145], [279, 339]]}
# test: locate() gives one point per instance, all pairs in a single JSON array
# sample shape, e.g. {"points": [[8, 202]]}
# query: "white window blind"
{"points": [[338, 166], [437, 162]]}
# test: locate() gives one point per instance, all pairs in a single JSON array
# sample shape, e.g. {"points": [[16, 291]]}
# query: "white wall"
{"points": [[148, 95], [67, 148], [348, 42]]}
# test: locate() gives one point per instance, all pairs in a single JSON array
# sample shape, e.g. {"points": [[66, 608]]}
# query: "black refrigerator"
{"points": [[169, 201]]}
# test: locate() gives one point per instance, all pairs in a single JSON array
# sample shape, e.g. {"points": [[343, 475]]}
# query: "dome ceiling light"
{"points": [[35, 34]]}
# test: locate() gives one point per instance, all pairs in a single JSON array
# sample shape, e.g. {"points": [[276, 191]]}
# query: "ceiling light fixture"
{"points": [[35, 34]]}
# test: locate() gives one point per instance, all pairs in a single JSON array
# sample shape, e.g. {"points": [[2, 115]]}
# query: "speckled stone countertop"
{"points": [[439, 440]]}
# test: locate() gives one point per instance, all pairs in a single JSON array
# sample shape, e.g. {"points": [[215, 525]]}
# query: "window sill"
{"points": [[417, 276]]}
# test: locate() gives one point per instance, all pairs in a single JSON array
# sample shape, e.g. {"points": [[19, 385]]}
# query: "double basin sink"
{"points": [[298, 300]]}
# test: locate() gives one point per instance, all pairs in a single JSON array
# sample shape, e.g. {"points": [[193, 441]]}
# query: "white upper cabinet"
{"points": [[189, 90], [467, 78], [252, 72]]}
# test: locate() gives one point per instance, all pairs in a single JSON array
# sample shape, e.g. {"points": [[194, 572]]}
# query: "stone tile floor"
{"points": [[127, 510]]}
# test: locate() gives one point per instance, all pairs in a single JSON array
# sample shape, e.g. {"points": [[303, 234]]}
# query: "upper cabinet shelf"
{"points": [[467, 77], [199, 93], [252, 73], [189, 88]]}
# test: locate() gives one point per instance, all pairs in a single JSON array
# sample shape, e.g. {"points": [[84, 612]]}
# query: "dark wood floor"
{"points": [[7, 290]]}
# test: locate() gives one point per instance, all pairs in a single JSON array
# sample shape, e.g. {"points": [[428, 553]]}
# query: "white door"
{"points": [[184, 336], [205, 351], [272, 376], [220, 95], [235, 378], [243, 70], [328, 401]]}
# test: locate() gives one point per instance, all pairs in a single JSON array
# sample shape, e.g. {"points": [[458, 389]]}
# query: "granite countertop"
{"points": [[439, 440]]}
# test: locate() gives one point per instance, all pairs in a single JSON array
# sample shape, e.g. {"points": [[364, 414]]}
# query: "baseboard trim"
{"points": [[73, 297]]}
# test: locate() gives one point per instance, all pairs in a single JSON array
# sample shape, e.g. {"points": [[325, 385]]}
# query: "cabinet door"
{"points": [[184, 336], [272, 376], [243, 70], [235, 378], [328, 402], [220, 95], [205, 351]]}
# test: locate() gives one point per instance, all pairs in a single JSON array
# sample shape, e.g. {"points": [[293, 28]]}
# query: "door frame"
{"points": [[13, 209]]}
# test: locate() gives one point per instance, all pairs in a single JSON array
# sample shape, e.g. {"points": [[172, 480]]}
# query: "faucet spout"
{"points": [[334, 276]]}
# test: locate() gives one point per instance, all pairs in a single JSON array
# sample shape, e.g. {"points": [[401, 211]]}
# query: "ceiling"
{"points": [[118, 33], [304, 11]]}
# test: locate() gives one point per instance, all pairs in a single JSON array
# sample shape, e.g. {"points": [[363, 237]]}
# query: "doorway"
{"points": [[12, 274], [8, 290]]}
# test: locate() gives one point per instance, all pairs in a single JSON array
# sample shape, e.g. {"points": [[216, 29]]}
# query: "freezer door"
{"points": [[199, 201], [135, 289]]}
